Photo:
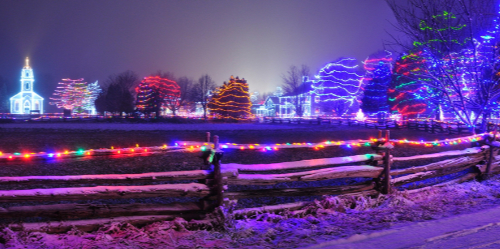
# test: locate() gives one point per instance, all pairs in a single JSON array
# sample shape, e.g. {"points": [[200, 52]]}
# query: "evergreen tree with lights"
{"points": [[375, 100], [407, 95], [153, 92], [231, 100], [338, 85]]}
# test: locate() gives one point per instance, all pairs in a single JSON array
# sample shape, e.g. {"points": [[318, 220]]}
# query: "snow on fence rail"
{"points": [[373, 172]]}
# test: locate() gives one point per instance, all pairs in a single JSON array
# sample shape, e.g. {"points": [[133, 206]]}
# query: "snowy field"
{"points": [[326, 219], [147, 127]]}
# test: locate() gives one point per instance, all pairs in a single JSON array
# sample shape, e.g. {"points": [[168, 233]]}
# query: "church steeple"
{"points": [[26, 101], [27, 65]]}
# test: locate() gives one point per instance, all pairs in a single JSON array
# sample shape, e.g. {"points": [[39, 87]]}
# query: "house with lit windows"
{"points": [[285, 107], [27, 101]]}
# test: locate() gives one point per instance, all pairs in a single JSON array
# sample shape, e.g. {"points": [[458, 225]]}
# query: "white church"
{"points": [[26, 101]]}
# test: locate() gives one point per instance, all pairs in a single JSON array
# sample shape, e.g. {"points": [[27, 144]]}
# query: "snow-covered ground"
{"points": [[398, 221], [473, 230], [147, 127]]}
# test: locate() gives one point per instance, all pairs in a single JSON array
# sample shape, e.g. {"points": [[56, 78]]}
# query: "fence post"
{"points": [[489, 142], [383, 147], [387, 166], [218, 186]]}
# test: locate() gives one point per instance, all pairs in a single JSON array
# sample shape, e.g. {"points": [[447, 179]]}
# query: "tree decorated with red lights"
{"points": [[407, 95], [154, 92], [231, 100], [75, 95]]}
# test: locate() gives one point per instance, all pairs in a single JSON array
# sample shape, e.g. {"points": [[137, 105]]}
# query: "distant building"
{"points": [[26, 101]]}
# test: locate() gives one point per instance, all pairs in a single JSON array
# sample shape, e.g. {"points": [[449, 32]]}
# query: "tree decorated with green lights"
{"points": [[459, 55]]}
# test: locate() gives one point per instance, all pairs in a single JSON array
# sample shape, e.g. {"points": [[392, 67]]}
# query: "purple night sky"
{"points": [[257, 39]]}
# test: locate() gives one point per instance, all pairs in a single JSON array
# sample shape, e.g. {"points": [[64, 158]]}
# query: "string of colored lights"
{"points": [[348, 143], [231, 100], [191, 146]]}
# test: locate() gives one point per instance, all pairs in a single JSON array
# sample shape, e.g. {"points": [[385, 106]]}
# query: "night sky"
{"points": [[254, 39]]}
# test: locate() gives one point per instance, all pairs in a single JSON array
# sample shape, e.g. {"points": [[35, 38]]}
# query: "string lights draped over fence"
{"points": [[191, 146]]}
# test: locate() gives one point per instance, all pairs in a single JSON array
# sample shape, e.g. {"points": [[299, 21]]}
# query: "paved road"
{"points": [[475, 230]]}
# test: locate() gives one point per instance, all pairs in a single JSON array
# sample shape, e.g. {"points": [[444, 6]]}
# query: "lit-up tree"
{"points": [[338, 85], [92, 92], [231, 100], [375, 100], [378, 71], [407, 95], [458, 43], [153, 92], [74, 95]]}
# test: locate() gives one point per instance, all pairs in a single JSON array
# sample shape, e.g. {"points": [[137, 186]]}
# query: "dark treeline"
{"points": [[120, 94]]}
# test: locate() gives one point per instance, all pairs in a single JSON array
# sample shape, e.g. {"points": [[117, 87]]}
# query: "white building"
{"points": [[26, 101]]}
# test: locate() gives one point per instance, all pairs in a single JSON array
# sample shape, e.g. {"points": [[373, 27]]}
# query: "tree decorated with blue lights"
{"points": [[458, 43], [378, 71], [92, 92], [337, 86], [375, 100]]}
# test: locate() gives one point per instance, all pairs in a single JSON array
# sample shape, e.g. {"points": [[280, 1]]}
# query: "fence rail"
{"points": [[428, 125]]}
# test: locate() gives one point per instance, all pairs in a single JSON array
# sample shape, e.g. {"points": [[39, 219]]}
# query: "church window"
{"points": [[16, 106]]}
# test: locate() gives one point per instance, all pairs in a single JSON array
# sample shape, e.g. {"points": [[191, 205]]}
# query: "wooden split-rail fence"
{"points": [[427, 125], [207, 189]]}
